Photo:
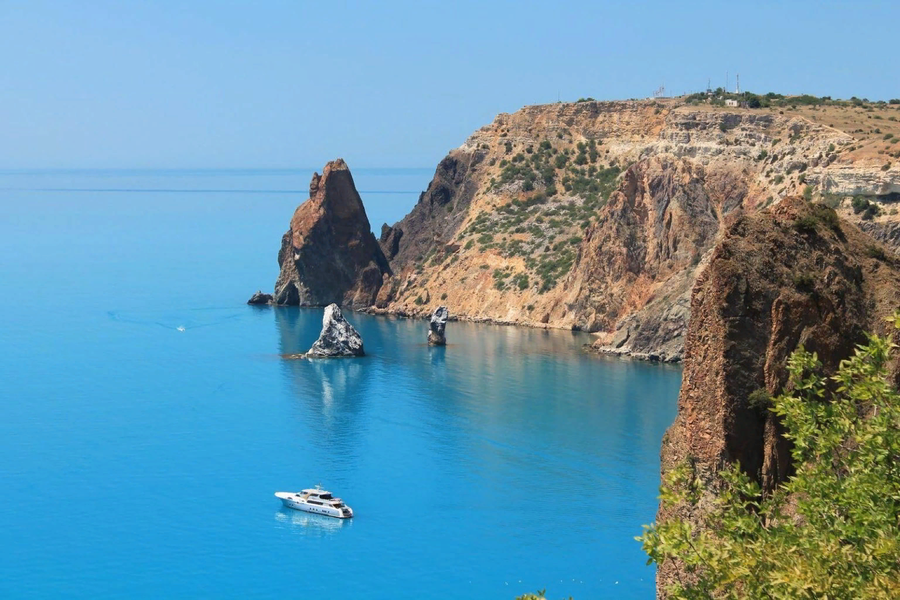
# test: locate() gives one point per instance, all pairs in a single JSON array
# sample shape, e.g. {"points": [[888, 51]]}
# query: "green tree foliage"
{"points": [[830, 531], [869, 209], [539, 595]]}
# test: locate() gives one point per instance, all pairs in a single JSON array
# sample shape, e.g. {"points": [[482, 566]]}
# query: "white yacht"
{"points": [[316, 500]]}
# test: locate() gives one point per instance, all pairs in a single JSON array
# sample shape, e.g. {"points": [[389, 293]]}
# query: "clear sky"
{"points": [[199, 84]]}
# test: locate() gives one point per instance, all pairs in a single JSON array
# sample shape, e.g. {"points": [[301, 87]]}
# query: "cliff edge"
{"points": [[599, 216], [591, 216], [788, 276]]}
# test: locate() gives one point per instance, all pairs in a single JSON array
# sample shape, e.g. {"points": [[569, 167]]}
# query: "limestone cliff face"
{"points": [[887, 232], [440, 211], [636, 264], [599, 215], [329, 254], [593, 215], [428, 229], [791, 275]]}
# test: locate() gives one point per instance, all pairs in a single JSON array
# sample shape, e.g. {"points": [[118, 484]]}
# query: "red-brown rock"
{"points": [[789, 276], [329, 254], [636, 266]]}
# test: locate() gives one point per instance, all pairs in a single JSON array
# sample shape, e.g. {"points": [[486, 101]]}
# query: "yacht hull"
{"points": [[291, 501]]}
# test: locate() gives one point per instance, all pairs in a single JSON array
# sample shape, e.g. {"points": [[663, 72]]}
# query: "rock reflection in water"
{"points": [[472, 403], [296, 334], [331, 390]]}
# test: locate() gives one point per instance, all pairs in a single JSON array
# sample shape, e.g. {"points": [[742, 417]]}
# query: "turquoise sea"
{"points": [[139, 460]]}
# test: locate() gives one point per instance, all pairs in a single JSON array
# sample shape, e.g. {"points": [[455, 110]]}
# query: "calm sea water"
{"points": [[139, 460]]}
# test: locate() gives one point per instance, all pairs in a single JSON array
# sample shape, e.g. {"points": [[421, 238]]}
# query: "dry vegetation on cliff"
{"points": [[599, 216]]}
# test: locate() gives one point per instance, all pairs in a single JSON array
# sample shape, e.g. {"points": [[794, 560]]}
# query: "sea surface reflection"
{"points": [[158, 407], [508, 438], [307, 524]]}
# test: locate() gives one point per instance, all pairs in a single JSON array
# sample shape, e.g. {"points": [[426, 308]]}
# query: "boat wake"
{"points": [[179, 320]]}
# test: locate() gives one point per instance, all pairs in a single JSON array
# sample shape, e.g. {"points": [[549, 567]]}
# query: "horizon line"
{"points": [[192, 191], [9, 170]]}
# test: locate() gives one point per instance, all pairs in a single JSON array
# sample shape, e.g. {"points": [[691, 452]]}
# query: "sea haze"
{"points": [[147, 415]]}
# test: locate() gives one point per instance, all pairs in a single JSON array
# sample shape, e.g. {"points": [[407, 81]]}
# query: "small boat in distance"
{"points": [[316, 500]]}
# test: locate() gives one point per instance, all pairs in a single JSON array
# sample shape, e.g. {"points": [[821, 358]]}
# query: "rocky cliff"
{"points": [[599, 215], [791, 275], [595, 216], [634, 270], [329, 254]]}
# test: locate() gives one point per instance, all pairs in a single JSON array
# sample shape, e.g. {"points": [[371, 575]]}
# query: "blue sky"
{"points": [[386, 84]]}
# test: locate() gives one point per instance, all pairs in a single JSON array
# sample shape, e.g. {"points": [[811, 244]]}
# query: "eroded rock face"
{"points": [[338, 337], [511, 232], [886, 232], [329, 254], [654, 333], [596, 216], [437, 325], [852, 180], [432, 223], [789, 276], [440, 211], [260, 298], [636, 266]]}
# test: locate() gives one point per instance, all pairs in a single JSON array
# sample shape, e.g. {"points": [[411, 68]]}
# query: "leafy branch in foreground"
{"points": [[539, 595], [832, 530]]}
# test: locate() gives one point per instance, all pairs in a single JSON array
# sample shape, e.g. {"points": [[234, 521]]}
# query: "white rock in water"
{"points": [[338, 337], [436, 327]]}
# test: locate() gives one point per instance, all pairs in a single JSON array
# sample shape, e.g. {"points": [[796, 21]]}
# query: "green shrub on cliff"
{"points": [[833, 529], [832, 201], [861, 204]]}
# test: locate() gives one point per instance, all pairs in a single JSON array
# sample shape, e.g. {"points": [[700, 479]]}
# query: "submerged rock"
{"points": [[436, 327], [260, 298], [338, 337]]}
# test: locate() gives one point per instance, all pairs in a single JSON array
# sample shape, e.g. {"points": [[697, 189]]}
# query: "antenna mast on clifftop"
{"points": [[737, 88]]}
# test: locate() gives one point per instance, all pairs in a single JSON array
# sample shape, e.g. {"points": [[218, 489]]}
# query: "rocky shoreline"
{"points": [[723, 240], [595, 217]]}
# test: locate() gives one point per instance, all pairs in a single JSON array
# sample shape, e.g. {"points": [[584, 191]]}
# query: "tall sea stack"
{"points": [[329, 254], [590, 216]]}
